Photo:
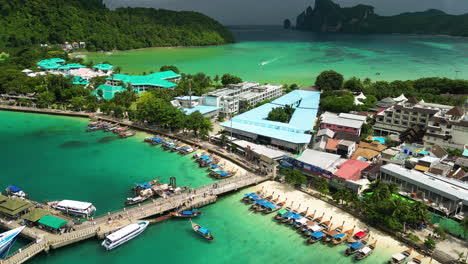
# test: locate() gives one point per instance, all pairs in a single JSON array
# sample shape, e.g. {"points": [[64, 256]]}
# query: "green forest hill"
{"points": [[32, 22], [327, 16]]}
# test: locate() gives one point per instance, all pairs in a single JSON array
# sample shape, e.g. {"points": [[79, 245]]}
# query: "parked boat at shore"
{"points": [[365, 251], [153, 140], [416, 260], [127, 134], [186, 214], [16, 191], [333, 232], [400, 257], [186, 150], [202, 231], [120, 130], [340, 238], [124, 234], [73, 207], [359, 236]]}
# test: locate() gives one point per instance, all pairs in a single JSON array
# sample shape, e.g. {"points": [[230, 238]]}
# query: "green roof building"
{"points": [[141, 83], [14, 207], [50, 64], [77, 80], [52, 222], [103, 67], [71, 66], [35, 214], [108, 91]]}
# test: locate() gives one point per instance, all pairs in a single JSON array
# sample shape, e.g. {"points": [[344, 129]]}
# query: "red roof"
{"points": [[360, 234], [351, 169], [332, 143]]}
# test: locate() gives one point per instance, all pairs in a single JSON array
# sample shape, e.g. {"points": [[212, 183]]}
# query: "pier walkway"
{"points": [[103, 225]]}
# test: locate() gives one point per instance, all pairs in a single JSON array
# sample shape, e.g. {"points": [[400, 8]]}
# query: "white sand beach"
{"points": [[303, 201]]}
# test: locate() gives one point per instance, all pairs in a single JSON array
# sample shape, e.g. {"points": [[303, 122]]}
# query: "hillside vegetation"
{"points": [[31, 22]]}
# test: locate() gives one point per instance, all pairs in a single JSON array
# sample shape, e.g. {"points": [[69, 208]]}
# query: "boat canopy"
{"points": [[74, 204], [204, 231], [249, 194], [144, 185], [296, 216], [302, 221], [360, 234], [399, 256], [205, 157], [365, 250], [282, 211], [356, 245], [339, 235], [315, 228], [14, 188], [317, 234], [187, 212]]}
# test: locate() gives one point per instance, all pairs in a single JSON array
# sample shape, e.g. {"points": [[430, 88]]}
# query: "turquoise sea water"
{"points": [[53, 158], [271, 54]]}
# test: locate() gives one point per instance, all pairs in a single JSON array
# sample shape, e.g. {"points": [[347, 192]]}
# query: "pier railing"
{"points": [[25, 253]]}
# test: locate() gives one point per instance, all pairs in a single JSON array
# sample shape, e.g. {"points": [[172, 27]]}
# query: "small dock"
{"points": [[156, 210]]}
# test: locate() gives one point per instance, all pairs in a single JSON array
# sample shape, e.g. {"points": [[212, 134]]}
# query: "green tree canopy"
{"points": [[169, 68], [329, 80], [230, 79]]}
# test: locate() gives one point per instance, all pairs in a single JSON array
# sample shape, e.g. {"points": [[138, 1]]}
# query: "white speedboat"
{"points": [[74, 207], [124, 234], [7, 239]]}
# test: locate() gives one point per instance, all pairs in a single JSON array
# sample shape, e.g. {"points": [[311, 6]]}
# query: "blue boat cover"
{"points": [[356, 245], [255, 197], [145, 185], [287, 214], [339, 235], [296, 216], [214, 166], [249, 194], [317, 234], [187, 212], [14, 188], [204, 231], [260, 201], [272, 206], [224, 174], [205, 157]]}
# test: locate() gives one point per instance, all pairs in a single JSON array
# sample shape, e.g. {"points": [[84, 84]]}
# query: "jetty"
{"points": [[156, 210]]}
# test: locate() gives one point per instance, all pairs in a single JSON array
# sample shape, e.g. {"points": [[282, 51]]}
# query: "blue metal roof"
{"points": [[203, 109], [254, 121]]}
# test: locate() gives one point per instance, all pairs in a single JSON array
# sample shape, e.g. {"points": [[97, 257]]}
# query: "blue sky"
{"points": [[270, 12]]}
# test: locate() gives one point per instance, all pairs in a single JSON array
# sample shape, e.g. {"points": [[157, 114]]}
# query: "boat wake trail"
{"points": [[263, 63]]}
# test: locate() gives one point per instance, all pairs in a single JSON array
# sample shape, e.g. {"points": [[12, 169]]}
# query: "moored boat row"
{"points": [[122, 132], [314, 227]]}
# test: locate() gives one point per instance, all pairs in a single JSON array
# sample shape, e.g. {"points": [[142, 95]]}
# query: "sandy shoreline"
{"points": [[385, 243]]}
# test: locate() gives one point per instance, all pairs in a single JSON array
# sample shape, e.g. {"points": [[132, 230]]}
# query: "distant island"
{"points": [[35, 22], [327, 16]]}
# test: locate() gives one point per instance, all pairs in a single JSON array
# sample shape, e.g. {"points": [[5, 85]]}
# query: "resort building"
{"points": [[446, 195], [292, 136], [190, 104], [50, 64], [405, 115], [227, 99], [138, 83], [13, 208], [349, 175], [347, 123], [313, 163], [449, 129], [369, 151], [142, 83]]}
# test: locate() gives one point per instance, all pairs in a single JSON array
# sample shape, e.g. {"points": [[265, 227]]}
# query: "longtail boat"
{"points": [[186, 150], [127, 134], [202, 231], [299, 223], [279, 215], [359, 236], [353, 248], [247, 197], [196, 155], [307, 225], [94, 128], [186, 214], [168, 145], [257, 204], [340, 238], [319, 219], [315, 237], [334, 232], [400, 257], [176, 148], [295, 216], [270, 208], [416, 260], [365, 251], [119, 130]]}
